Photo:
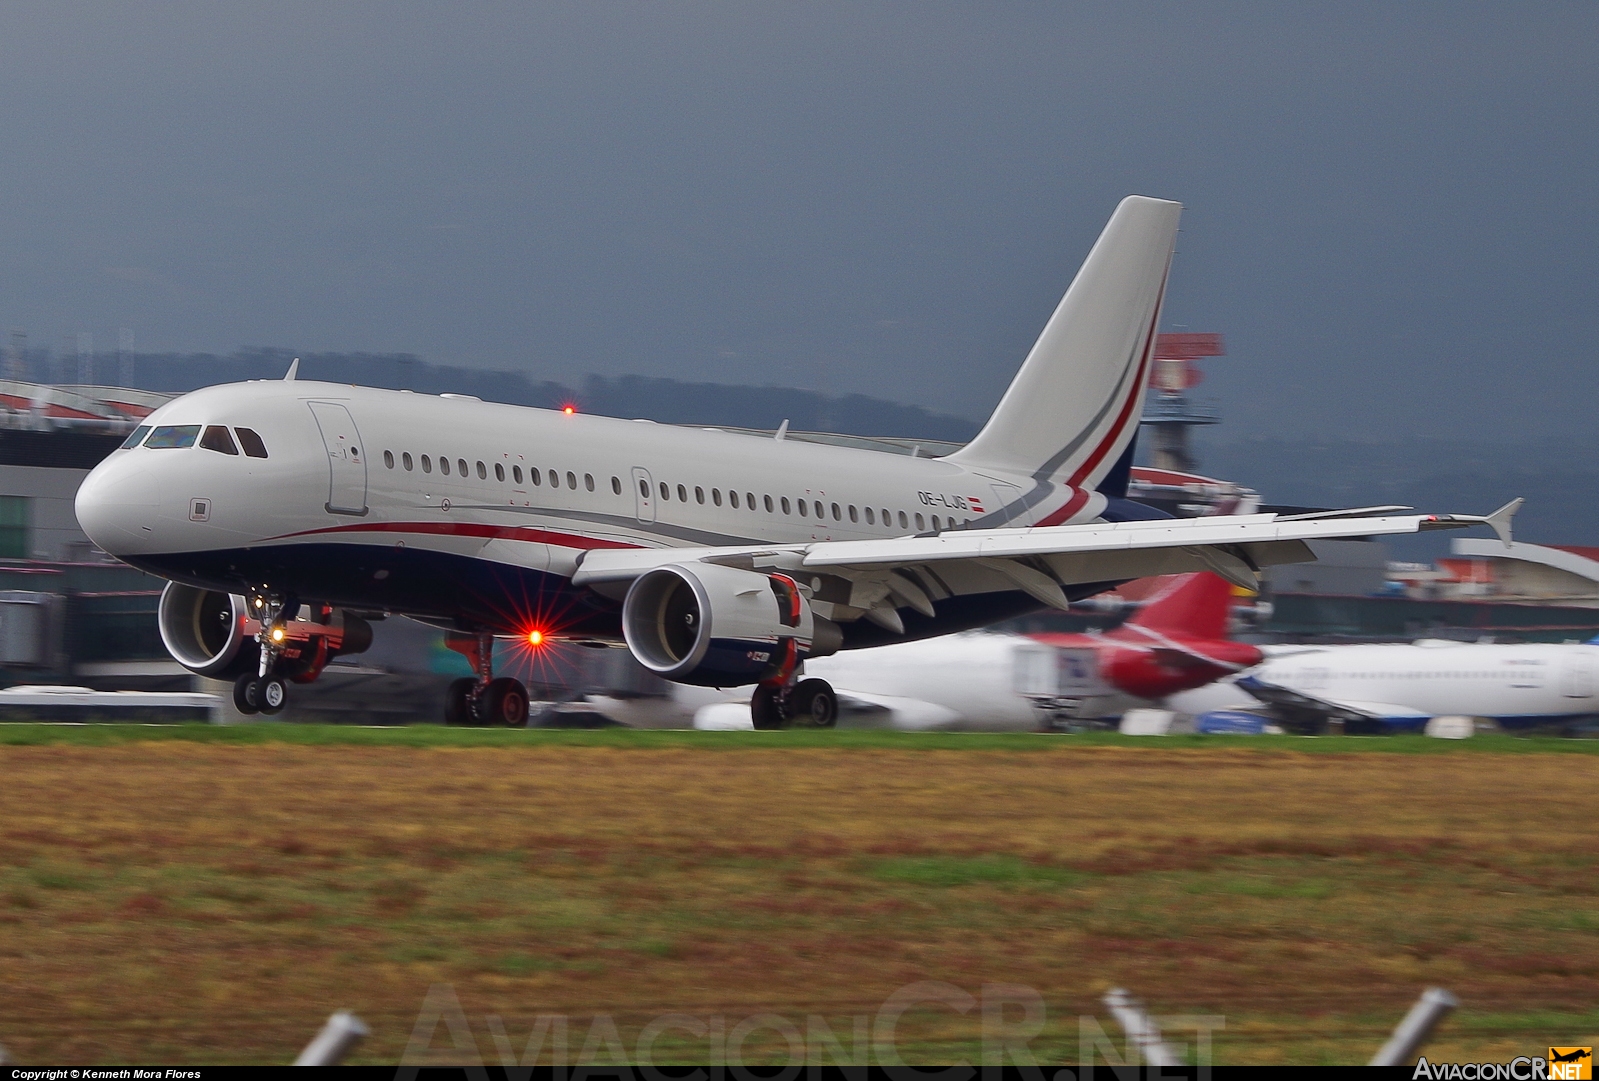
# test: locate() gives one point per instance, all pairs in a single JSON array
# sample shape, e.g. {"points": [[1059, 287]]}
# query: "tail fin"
{"points": [[1192, 605], [1072, 410]]}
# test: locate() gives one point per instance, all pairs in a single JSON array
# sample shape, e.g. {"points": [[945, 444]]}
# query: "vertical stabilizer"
{"points": [[1190, 606], [1073, 408]]}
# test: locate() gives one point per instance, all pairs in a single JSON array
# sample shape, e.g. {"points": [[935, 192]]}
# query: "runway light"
{"points": [[535, 638]]}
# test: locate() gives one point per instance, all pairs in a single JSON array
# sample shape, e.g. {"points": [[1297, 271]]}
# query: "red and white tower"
{"points": [[1168, 410]]}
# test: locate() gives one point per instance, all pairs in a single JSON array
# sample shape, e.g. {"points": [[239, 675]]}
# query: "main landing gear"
{"points": [[809, 703], [482, 699], [265, 691]]}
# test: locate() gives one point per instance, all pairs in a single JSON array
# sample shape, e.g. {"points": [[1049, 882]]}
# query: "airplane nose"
{"points": [[117, 505]]}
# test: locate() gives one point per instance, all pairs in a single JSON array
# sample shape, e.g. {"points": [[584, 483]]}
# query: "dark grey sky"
{"points": [[1391, 208]]}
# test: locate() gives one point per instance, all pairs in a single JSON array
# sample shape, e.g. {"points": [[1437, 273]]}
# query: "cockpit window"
{"points": [[135, 438], [217, 438], [251, 443], [173, 436]]}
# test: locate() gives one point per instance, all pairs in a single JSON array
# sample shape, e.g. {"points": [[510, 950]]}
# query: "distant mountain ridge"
{"points": [[668, 401]]}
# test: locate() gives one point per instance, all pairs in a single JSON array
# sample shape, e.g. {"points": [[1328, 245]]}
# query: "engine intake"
{"points": [[720, 626], [213, 634]]}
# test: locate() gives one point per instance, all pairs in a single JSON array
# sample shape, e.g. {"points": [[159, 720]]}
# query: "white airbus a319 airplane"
{"points": [[288, 513]]}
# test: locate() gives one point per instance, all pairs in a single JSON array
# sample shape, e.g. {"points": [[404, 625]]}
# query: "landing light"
{"points": [[277, 634]]}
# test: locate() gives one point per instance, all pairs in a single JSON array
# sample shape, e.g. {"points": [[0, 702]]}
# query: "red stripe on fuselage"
{"points": [[1078, 496], [469, 529]]}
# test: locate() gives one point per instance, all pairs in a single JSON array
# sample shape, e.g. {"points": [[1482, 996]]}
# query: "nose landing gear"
{"points": [[265, 692], [259, 694], [481, 698]]}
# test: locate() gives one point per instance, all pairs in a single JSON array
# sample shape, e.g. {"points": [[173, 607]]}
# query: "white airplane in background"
{"points": [[287, 513], [965, 681], [1380, 688], [997, 682]]}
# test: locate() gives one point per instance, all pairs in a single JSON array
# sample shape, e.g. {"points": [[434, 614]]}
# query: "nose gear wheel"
{"points": [[259, 694]]}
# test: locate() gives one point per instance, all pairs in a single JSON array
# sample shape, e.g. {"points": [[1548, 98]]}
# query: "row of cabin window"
{"points": [[803, 507], [533, 474], [1442, 675], [181, 436]]}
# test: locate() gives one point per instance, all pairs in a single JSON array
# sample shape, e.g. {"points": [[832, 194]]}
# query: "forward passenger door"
{"points": [[346, 459]]}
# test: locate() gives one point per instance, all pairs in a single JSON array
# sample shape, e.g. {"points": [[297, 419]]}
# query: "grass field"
{"points": [[174, 894]]}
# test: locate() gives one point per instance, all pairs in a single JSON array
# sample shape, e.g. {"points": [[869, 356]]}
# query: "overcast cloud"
{"points": [[1391, 208]]}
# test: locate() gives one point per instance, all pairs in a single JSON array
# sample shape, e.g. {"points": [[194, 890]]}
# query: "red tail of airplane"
{"points": [[1189, 605], [1177, 641]]}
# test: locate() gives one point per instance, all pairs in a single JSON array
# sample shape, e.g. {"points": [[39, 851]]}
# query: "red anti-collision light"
{"points": [[535, 638]]}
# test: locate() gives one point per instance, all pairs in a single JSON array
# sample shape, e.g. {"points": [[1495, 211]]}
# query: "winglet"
{"points": [[1499, 520], [782, 431], [294, 369]]}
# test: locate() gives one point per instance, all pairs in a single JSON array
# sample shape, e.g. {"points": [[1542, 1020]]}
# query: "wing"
{"points": [[1303, 712], [873, 579]]}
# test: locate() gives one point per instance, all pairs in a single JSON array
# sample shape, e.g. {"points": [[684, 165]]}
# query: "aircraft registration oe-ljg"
{"points": [[287, 514]]}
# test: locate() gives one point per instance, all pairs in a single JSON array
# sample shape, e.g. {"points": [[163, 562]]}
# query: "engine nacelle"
{"points": [[213, 634], [720, 626]]}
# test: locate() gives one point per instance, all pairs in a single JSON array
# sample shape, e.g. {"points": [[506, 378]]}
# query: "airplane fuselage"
{"points": [[476, 514], [1514, 684]]}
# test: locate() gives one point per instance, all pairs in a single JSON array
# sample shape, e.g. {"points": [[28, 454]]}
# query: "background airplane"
{"points": [[1175, 641], [1385, 688]]}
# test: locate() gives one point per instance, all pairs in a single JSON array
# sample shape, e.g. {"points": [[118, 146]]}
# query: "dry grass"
{"points": [[175, 901]]}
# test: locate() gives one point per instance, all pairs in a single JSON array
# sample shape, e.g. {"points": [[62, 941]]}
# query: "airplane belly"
{"points": [[410, 580]]}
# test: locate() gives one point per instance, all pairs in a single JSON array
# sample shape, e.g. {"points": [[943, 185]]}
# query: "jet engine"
{"points": [[213, 634], [720, 626]]}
